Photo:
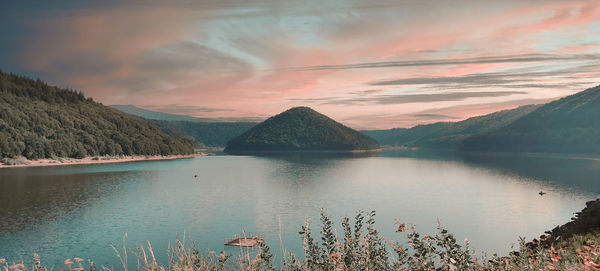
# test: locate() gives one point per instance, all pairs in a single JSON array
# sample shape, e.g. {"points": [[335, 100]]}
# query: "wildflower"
{"points": [[390, 243], [78, 260], [2, 261], [68, 262], [555, 258], [333, 255], [401, 228]]}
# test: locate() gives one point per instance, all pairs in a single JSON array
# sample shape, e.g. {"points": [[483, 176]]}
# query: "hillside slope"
{"points": [[42, 121], [153, 115], [205, 134], [202, 132], [567, 125], [300, 129], [448, 135]]}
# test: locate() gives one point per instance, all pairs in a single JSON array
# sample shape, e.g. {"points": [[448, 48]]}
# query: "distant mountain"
{"points": [[300, 129], [448, 135], [154, 115], [42, 121], [568, 125], [205, 134], [202, 132]]}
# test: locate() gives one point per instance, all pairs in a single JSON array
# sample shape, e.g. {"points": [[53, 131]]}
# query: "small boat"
{"points": [[196, 176], [542, 193]]}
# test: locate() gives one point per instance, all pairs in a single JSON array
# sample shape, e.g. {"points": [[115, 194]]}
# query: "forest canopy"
{"points": [[42, 121]]}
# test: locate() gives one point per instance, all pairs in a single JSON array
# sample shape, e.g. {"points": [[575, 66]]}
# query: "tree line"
{"points": [[42, 121]]}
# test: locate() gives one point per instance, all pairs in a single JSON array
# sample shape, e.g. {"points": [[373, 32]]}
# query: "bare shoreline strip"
{"points": [[100, 160]]}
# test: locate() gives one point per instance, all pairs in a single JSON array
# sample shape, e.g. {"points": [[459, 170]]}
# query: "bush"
{"points": [[17, 160], [361, 248]]}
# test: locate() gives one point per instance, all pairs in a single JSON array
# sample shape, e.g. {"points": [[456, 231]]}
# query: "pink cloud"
{"points": [[190, 56], [565, 15]]}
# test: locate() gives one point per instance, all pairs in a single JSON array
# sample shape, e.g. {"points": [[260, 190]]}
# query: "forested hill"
{"points": [[569, 125], [448, 135], [154, 115], [42, 121], [202, 132], [300, 129], [205, 134]]}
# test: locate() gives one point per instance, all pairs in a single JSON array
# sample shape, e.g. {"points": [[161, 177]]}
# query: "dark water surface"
{"points": [[80, 211]]}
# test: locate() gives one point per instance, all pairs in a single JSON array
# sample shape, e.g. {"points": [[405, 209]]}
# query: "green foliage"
{"points": [[361, 248], [569, 125], [448, 135], [300, 129], [42, 121], [205, 134]]}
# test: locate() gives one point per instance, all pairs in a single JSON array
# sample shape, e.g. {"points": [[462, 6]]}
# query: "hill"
{"points": [[42, 121], [154, 115], [205, 134], [300, 129], [448, 135], [202, 132], [568, 125]]}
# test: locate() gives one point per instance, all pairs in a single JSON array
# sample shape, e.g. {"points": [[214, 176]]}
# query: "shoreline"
{"points": [[576, 156], [98, 160], [259, 152]]}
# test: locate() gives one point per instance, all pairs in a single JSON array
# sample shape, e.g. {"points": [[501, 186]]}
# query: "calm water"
{"points": [[62, 212]]}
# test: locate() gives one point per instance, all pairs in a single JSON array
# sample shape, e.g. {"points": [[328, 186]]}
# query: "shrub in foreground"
{"points": [[359, 248]]}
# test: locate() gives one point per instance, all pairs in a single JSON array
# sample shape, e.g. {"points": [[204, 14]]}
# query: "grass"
{"points": [[360, 247]]}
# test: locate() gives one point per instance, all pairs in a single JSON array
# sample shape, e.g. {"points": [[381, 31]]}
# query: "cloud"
{"points": [[183, 65], [433, 116], [433, 97], [256, 58], [515, 78], [366, 92], [409, 98], [443, 114], [465, 111], [523, 58]]}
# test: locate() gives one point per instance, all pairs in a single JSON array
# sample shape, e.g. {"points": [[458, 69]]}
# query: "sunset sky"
{"points": [[368, 64]]}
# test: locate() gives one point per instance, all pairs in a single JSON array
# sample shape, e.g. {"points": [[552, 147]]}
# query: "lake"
{"points": [[80, 211]]}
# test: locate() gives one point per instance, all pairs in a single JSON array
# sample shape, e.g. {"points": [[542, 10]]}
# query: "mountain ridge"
{"points": [[567, 125], [448, 135], [202, 132], [154, 115]]}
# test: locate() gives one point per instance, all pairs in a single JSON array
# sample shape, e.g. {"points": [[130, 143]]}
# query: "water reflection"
{"points": [[572, 173], [28, 198], [82, 210], [579, 174]]}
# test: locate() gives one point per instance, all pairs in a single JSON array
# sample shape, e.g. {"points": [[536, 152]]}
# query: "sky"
{"points": [[367, 64]]}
